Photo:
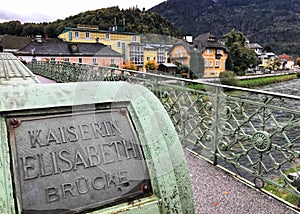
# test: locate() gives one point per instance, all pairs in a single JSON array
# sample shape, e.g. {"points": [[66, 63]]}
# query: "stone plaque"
{"points": [[76, 161]]}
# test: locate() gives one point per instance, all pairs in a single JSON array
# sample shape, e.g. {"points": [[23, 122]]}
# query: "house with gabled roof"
{"points": [[181, 52], [126, 43], [57, 50], [213, 52], [11, 44], [116, 37], [286, 61]]}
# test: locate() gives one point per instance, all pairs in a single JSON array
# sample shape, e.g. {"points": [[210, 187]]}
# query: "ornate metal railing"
{"points": [[252, 133]]}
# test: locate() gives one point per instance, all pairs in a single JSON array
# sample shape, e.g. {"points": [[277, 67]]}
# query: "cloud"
{"points": [[6, 16]]}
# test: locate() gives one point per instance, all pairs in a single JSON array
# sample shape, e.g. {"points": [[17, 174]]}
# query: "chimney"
{"points": [[188, 38]]}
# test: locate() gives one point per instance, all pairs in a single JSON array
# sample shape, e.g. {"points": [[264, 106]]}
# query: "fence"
{"points": [[252, 133]]}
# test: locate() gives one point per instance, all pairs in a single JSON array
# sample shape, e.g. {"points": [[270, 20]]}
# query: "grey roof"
{"points": [[14, 42], [208, 40], [254, 46], [150, 47], [169, 65], [58, 47], [186, 45], [67, 29]]}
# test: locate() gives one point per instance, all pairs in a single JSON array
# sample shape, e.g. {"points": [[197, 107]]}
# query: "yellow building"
{"points": [[115, 38], [213, 52], [126, 43], [181, 52], [156, 52]]}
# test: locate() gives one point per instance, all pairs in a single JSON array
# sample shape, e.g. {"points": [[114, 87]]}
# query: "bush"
{"points": [[298, 74], [228, 78]]}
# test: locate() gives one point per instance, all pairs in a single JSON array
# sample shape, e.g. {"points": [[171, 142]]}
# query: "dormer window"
{"points": [[219, 53], [209, 51], [73, 48], [211, 39]]}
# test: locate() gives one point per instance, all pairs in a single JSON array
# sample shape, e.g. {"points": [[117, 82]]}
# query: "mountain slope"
{"points": [[268, 22], [135, 21]]}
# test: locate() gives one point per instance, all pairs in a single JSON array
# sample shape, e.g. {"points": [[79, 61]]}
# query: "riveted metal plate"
{"points": [[76, 161]]}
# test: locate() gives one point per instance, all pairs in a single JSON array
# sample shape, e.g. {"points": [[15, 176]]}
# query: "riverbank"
{"points": [[266, 80], [252, 82]]}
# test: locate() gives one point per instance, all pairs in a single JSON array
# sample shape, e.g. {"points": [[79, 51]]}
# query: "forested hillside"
{"points": [[267, 22], [135, 21]]}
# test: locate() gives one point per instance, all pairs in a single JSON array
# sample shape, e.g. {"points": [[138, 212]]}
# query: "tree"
{"points": [[228, 78], [268, 48], [241, 57], [151, 65], [298, 61], [129, 65], [274, 63]]}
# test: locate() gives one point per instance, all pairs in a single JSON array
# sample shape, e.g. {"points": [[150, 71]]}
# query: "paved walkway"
{"points": [[217, 192], [44, 79]]}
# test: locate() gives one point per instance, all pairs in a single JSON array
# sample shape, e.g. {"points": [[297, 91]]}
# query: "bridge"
{"points": [[249, 134]]}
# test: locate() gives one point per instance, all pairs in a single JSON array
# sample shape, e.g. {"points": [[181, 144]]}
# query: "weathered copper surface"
{"points": [[76, 161]]}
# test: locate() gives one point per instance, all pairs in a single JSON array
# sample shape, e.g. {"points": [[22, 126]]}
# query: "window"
{"points": [[107, 37], [87, 35], [76, 34], [210, 63], [112, 61], [94, 61], [118, 44], [206, 63], [134, 38], [181, 53], [148, 58], [52, 60], [219, 51], [137, 55], [80, 60], [160, 55], [209, 51], [217, 64], [67, 60]]}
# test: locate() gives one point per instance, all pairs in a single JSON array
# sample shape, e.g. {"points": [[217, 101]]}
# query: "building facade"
{"points": [[116, 38], [213, 52], [82, 53], [126, 43]]}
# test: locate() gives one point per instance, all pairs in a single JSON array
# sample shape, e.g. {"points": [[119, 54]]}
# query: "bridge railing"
{"points": [[254, 134]]}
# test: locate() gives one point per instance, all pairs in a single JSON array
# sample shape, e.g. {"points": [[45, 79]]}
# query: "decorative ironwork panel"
{"points": [[253, 133]]}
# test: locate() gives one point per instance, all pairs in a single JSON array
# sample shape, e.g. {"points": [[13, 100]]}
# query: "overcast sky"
{"points": [[47, 11]]}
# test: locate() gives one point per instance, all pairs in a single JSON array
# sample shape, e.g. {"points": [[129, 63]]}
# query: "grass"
{"points": [[285, 195], [252, 83]]}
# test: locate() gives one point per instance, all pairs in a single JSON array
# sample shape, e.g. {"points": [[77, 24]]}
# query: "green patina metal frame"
{"points": [[252, 133], [160, 143]]}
